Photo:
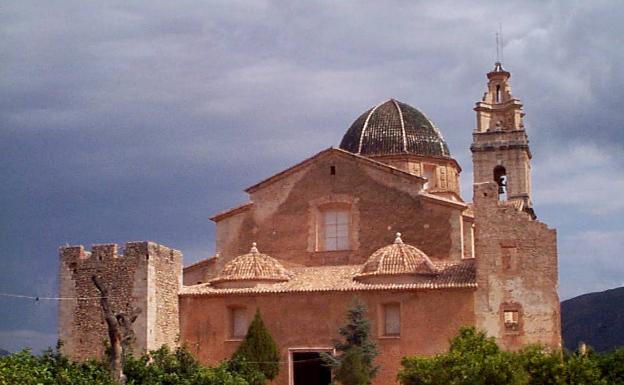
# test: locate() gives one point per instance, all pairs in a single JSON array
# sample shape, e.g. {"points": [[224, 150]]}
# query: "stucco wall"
{"points": [[429, 319]]}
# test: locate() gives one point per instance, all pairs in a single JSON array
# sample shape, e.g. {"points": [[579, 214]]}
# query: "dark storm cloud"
{"points": [[125, 121]]}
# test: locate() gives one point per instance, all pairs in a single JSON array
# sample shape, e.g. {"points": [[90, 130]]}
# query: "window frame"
{"points": [[231, 325], [328, 231], [511, 328], [383, 320], [316, 232]]}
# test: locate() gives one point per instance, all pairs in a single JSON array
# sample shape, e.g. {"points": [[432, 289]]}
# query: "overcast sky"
{"points": [[138, 120]]}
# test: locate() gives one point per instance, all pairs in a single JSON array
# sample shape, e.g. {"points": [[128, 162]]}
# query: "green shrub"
{"points": [[257, 354]]}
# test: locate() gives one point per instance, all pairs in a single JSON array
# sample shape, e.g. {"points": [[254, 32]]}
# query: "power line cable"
{"points": [[39, 298]]}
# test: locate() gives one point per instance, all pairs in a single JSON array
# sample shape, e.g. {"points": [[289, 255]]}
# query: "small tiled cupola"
{"points": [[396, 263], [249, 270]]}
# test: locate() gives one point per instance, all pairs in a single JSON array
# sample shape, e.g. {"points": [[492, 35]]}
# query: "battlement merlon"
{"points": [[108, 251]]}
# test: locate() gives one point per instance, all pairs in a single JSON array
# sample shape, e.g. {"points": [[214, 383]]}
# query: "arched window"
{"points": [[498, 93], [500, 177]]}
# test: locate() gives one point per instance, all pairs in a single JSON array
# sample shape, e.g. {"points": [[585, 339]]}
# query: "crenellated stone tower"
{"points": [[500, 147], [147, 277], [516, 255]]}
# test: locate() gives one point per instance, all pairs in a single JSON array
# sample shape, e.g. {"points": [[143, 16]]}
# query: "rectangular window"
{"points": [[392, 319], [238, 322], [336, 229], [511, 318]]}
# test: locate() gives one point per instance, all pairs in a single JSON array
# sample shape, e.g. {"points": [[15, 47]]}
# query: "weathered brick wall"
{"points": [[279, 219], [517, 270], [146, 277], [310, 320]]}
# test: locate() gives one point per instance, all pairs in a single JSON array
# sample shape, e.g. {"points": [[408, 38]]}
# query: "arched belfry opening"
{"points": [[498, 93], [500, 177]]}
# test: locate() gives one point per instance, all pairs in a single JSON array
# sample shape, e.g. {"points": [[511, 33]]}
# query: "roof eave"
{"points": [[326, 152]]}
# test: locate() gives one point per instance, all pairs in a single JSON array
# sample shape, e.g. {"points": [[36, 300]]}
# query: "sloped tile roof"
{"points": [[340, 278]]}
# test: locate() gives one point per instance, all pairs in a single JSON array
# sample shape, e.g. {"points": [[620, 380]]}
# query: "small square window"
{"points": [[238, 322], [391, 319], [511, 319]]}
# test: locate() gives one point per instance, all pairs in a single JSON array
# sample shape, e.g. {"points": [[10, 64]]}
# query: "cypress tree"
{"points": [[355, 346], [258, 350], [352, 370]]}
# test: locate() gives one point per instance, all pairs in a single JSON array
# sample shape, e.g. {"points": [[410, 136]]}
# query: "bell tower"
{"points": [[500, 146]]}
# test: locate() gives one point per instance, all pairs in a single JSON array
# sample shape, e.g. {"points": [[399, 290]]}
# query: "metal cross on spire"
{"points": [[499, 43]]}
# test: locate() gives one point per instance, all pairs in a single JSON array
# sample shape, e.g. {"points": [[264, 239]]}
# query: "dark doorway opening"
{"points": [[309, 369]]}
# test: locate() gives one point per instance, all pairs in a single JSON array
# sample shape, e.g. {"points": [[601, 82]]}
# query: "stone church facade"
{"points": [[380, 219]]}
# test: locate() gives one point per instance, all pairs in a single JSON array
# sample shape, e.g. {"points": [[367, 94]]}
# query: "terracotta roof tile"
{"points": [[398, 258], [253, 266], [340, 278]]}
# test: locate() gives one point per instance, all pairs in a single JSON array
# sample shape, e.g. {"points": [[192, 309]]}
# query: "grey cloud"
{"points": [[138, 120]]}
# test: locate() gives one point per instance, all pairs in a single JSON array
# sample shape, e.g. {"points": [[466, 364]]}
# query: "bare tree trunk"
{"points": [[114, 332]]}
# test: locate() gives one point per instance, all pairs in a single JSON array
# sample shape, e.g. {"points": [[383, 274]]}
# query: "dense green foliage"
{"points": [[543, 367], [352, 369], [612, 367], [256, 360], [258, 353], [159, 367], [163, 367], [475, 359], [355, 362], [51, 368]]}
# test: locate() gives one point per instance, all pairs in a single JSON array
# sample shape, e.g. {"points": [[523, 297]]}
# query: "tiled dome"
{"points": [[392, 128], [252, 267], [397, 259]]}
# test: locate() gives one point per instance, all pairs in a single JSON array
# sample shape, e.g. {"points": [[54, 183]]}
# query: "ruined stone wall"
{"points": [[281, 217], [147, 276], [516, 271], [166, 278], [310, 320]]}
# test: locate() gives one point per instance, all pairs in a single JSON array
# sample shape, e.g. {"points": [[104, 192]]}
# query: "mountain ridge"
{"points": [[596, 319]]}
